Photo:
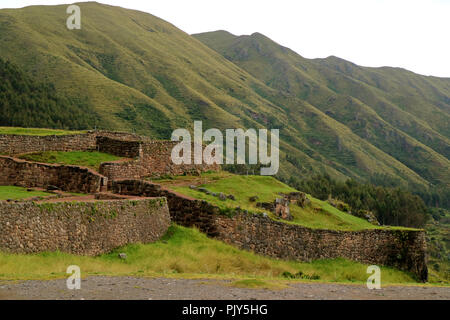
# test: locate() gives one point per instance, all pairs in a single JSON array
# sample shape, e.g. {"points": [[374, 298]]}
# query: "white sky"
{"points": [[412, 34]]}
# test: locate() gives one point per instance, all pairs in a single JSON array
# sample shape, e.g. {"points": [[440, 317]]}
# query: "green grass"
{"points": [[242, 187], [322, 215], [257, 284], [90, 159], [318, 214], [186, 253], [36, 131], [16, 193], [374, 103], [438, 245]]}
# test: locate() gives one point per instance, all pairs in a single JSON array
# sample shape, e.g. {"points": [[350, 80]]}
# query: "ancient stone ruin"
{"points": [[123, 208]]}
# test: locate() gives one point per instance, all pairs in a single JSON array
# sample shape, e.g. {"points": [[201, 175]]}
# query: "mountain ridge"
{"points": [[268, 55]]}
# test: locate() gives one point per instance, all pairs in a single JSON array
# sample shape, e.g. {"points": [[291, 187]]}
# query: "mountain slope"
{"points": [[24, 102], [404, 114], [138, 72]]}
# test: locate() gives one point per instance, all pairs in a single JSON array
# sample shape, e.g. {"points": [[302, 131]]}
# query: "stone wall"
{"points": [[403, 249], [18, 144], [119, 147], [150, 157], [184, 211], [67, 178], [84, 228], [154, 160], [131, 169], [11, 144], [157, 160]]}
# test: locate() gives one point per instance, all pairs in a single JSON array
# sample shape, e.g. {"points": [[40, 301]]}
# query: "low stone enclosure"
{"points": [[148, 157], [97, 227], [403, 249], [32, 174], [153, 158], [85, 228]]}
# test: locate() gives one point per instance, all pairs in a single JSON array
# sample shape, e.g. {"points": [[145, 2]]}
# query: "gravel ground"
{"points": [[123, 288]]}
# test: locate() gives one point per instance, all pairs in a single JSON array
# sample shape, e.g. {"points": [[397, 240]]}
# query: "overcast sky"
{"points": [[412, 34]]}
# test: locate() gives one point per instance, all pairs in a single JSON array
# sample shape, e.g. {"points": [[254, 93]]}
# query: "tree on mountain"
{"points": [[27, 103]]}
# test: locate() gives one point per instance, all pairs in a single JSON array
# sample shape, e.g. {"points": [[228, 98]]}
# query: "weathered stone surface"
{"points": [[270, 206], [403, 249], [297, 197], [12, 144], [50, 176], [85, 228], [282, 208], [150, 157], [153, 159], [119, 147]]}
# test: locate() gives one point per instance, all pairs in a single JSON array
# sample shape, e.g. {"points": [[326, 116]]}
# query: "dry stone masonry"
{"points": [[147, 157], [153, 159], [67, 178], [119, 147], [97, 227], [12, 144], [84, 228], [403, 249]]}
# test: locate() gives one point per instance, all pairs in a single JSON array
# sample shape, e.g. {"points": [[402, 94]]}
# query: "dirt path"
{"points": [[179, 289]]}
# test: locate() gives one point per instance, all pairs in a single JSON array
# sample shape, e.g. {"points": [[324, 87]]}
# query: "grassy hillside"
{"points": [[35, 131], [406, 115], [16, 193], [138, 72], [187, 253], [27, 102]]}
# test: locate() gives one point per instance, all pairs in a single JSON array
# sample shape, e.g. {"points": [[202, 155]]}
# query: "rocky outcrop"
{"points": [[402, 249], [145, 157], [282, 209]]}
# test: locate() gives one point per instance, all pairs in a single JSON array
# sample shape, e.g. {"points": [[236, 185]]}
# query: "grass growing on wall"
{"points": [[90, 159], [15, 193], [36, 131], [185, 252]]}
